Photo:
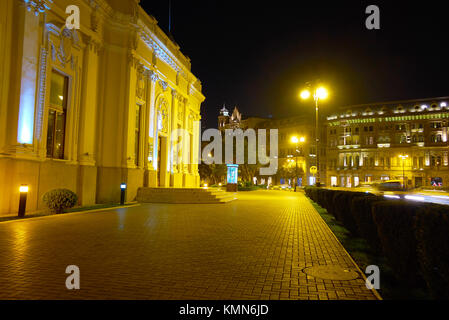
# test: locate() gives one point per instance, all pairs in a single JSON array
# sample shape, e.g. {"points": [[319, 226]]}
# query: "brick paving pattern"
{"points": [[252, 248]]}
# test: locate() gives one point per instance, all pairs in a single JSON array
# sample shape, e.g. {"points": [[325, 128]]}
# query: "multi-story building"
{"points": [[288, 153], [89, 108], [365, 142]]}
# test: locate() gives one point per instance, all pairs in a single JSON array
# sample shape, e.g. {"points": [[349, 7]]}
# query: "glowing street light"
{"points": [[319, 93], [23, 189], [305, 94], [122, 193], [403, 157]]}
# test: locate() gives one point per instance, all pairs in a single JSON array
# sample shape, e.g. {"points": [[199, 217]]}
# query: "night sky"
{"points": [[258, 54]]}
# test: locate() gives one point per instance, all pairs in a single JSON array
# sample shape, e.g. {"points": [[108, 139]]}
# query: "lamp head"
{"points": [[305, 94], [321, 93]]}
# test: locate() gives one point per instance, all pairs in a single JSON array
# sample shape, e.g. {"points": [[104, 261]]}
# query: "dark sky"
{"points": [[258, 54]]}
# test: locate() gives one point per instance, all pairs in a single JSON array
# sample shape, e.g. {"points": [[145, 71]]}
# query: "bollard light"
{"points": [[122, 193], [23, 199]]}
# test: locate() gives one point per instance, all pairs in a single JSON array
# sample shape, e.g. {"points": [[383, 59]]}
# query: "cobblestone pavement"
{"points": [[252, 248]]}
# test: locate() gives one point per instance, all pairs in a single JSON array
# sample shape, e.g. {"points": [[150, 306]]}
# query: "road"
{"points": [[265, 245], [438, 197]]}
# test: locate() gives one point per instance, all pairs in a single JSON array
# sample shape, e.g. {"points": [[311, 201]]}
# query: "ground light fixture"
{"points": [[23, 199], [122, 193]]}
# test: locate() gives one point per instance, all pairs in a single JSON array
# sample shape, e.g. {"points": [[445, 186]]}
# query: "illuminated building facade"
{"points": [[288, 154], [87, 109], [299, 126], [364, 143]]}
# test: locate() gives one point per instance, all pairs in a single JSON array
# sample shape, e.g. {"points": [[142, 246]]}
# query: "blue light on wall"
{"points": [[26, 113], [233, 170]]}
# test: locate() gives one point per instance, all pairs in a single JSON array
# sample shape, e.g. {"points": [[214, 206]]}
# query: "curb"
{"points": [[376, 294], [69, 213]]}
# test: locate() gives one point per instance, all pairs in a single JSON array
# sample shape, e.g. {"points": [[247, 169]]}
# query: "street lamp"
{"points": [[319, 93], [403, 157], [297, 140]]}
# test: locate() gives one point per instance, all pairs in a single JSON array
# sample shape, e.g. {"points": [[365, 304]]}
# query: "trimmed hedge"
{"points": [[341, 209], [413, 236], [361, 208], [432, 234], [59, 199], [395, 222]]}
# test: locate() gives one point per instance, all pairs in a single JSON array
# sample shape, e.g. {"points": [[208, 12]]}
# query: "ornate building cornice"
{"points": [[160, 52]]}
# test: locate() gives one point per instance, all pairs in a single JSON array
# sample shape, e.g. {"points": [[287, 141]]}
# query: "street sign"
{"points": [[313, 170]]}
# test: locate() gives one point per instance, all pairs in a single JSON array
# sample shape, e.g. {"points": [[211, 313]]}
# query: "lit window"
{"points": [[57, 111], [137, 136]]}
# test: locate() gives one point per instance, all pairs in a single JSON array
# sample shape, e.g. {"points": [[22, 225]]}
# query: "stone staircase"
{"points": [[184, 195]]}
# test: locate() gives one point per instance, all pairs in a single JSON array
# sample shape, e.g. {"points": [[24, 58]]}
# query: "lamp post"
{"points": [[403, 157], [122, 193], [319, 93], [296, 141]]}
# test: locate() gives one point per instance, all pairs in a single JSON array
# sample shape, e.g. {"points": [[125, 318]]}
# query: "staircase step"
{"points": [[187, 195]]}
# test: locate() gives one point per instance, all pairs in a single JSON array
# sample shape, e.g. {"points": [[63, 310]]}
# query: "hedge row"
{"points": [[413, 236]]}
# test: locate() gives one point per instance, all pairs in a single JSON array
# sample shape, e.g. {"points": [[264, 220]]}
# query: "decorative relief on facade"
{"points": [[153, 76], [134, 40], [140, 85], [190, 122], [162, 116], [163, 84], [174, 93], [41, 93], [62, 51], [181, 112], [159, 52], [94, 20], [38, 6]]}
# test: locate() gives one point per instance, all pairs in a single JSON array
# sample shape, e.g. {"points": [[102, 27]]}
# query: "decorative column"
{"points": [[88, 123]]}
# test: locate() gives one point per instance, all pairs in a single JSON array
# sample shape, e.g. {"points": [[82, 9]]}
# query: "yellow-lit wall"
{"points": [[118, 59]]}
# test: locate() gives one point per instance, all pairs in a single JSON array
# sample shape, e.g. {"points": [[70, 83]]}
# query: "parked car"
{"points": [[280, 187], [391, 185]]}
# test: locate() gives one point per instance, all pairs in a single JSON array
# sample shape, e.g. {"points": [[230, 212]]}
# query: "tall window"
{"points": [[137, 136], [57, 113]]}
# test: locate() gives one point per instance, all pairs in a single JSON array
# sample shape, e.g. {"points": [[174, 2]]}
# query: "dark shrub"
{"points": [[361, 208], [328, 199], [395, 221], [59, 199], [308, 190], [432, 235], [314, 194], [320, 196], [341, 209]]}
